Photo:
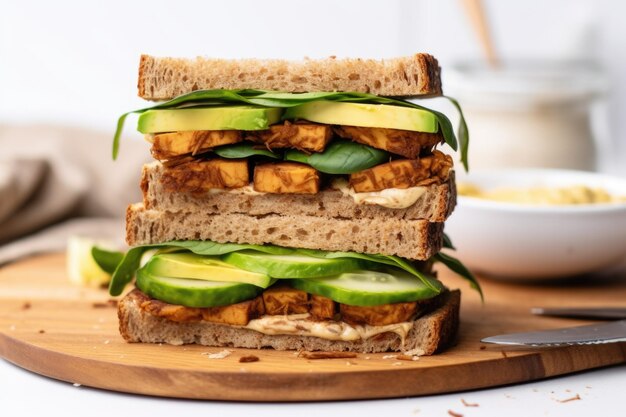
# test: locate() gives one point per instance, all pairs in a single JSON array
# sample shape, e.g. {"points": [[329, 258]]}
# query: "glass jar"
{"points": [[529, 114]]}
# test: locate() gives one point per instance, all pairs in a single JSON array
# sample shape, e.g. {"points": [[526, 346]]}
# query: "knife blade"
{"points": [[599, 313], [581, 335]]}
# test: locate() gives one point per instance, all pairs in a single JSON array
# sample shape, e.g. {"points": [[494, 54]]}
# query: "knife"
{"points": [[604, 313], [582, 335]]}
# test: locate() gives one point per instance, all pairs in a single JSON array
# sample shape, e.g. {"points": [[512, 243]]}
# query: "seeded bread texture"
{"points": [[412, 239], [429, 334], [435, 205], [166, 78]]}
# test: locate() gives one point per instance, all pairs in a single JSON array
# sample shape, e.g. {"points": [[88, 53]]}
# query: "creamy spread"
{"points": [[246, 190], [394, 198], [576, 194], [301, 325]]}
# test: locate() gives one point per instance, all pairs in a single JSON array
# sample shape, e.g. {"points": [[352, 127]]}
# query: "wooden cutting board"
{"points": [[66, 332]]}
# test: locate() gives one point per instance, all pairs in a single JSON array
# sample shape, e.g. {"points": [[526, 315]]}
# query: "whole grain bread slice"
{"points": [[429, 334], [166, 78], [435, 205], [412, 239]]}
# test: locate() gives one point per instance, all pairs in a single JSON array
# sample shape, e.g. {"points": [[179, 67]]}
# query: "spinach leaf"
{"points": [[281, 99], [129, 264], [341, 157], [107, 260], [244, 150], [296, 156], [463, 133], [125, 270], [456, 266], [207, 247], [447, 242]]}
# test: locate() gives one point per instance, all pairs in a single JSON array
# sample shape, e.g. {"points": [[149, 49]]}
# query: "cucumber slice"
{"points": [[189, 265], [370, 288], [291, 266], [194, 292]]}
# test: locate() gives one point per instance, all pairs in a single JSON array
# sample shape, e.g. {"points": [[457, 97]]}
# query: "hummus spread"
{"points": [[542, 196]]}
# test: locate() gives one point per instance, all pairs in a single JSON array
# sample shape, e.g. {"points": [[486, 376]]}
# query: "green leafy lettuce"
{"points": [[244, 150]]}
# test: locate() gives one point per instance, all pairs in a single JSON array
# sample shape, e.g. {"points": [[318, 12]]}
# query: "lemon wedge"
{"points": [[82, 269]]}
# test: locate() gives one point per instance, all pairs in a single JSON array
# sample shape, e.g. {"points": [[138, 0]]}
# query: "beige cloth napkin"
{"points": [[49, 174]]}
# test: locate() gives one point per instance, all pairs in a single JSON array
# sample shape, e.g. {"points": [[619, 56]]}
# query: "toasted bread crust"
{"points": [[166, 78], [429, 334], [412, 239]]}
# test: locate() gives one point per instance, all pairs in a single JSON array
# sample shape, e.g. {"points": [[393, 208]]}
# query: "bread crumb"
{"points": [[390, 356], [326, 355], [106, 342], [248, 358], [109, 303], [26, 305], [504, 354], [396, 364], [42, 331], [219, 355], [76, 384], [414, 352], [465, 403], [12, 327], [483, 347], [574, 398], [454, 414], [367, 357], [404, 357]]}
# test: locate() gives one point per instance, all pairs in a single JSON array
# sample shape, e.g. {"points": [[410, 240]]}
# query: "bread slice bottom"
{"points": [[412, 239], [428, 334]]}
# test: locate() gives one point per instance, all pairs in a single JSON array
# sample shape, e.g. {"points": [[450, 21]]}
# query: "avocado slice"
{"points": [[365, 115], [208, 118], [191, 266]]}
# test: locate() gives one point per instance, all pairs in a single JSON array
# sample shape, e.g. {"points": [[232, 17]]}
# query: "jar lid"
{"points": [[523, 83]]}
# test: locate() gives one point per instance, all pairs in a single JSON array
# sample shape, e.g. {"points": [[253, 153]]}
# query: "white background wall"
{"points": [[75, 62]]}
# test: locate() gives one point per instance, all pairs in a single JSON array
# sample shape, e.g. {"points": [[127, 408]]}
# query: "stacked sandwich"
{"points": [[292, 205]]}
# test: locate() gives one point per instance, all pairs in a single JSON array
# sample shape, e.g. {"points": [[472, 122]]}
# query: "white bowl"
{"points": [[524, 242]]}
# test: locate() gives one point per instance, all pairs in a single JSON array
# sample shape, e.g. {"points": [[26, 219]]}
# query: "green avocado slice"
{"points": [[208, 268], [208, 118], [365, 115]]}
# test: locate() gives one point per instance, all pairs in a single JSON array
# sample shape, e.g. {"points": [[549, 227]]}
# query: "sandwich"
{"points": [[291, 205]]}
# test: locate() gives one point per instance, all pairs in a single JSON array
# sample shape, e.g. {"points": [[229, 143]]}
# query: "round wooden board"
{"points": [[66, 332]]}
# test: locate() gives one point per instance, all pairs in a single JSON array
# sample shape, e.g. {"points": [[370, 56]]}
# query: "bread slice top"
{"points": [[162, 78]]}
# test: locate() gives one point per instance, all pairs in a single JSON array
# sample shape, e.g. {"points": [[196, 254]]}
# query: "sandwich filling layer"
{"points": [[275, 313]]}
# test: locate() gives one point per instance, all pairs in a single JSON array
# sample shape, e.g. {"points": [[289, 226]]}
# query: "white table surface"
{"points": [[602, 392]]}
